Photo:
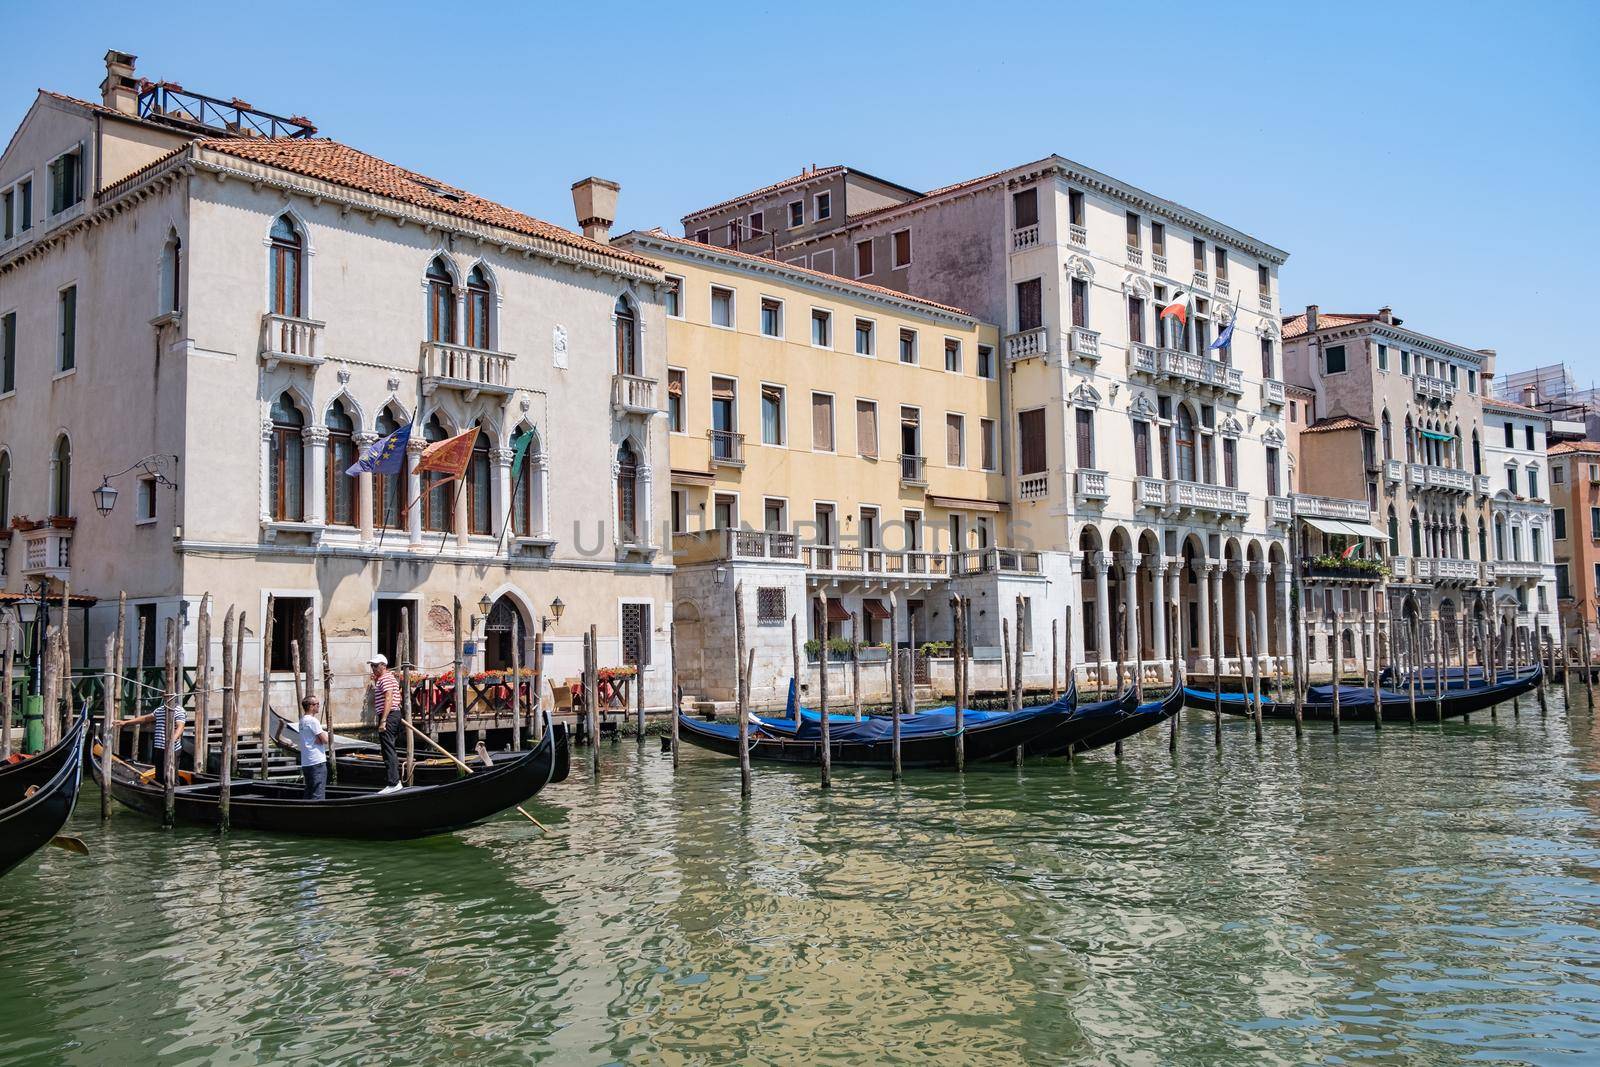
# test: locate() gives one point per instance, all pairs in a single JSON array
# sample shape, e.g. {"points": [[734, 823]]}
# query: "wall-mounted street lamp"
{"points": [[152, 466], [556, 608]]}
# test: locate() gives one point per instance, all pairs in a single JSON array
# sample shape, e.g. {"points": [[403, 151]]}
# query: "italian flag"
{"points": [[1351, 551], [1178, 308]]}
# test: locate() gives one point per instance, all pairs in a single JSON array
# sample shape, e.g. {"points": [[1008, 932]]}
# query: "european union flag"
{"points": [[384, 456]]}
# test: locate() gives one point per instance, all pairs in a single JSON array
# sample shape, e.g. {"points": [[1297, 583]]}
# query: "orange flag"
{"points": [[450, 456]]}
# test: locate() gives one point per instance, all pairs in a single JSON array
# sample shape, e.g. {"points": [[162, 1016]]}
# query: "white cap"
{"points": [[380, 658]]}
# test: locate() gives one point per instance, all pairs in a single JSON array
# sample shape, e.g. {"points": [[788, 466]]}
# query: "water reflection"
{"points": [[1410, 894]]}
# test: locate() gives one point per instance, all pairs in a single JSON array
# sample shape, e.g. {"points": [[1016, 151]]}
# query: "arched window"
{"points": [[627, 337], [1466, 539], [1483, 541], [389, 490], [478, 298], [1185, 444], [480, 476], [1499, 537], [1394, 532], [5, 490], [627, 493], [287, 461], [1411, 442], [171, 272], [1477, 454], [288, 250], [341, 488], [441, 302], [526, 507], [436, 503], [1416, 535], [1388, 434], [61, 477]]}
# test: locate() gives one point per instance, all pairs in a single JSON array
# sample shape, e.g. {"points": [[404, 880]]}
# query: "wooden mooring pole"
{"points": [[232, 686], [674, 695], [108, 718], [169, 713], [458, 691], [202, 685], [1005, 661], [1216, 672], [1300, 669], [822, 696], [741, 690], [1547, 657], [407, 655], [855, 665], [1379, 632], [1338, 663], [959, 664], [266, 681]]}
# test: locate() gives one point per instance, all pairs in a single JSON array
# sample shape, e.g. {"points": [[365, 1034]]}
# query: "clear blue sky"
{"points": [[1441, 158]]}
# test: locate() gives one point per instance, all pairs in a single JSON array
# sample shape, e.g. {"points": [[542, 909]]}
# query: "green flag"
{"points": [[520, 452]]}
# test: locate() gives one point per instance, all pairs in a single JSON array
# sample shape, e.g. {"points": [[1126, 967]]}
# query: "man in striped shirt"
{"points": [[158, 734], [386, 706]]}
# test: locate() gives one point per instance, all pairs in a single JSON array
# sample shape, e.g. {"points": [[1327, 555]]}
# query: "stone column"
{"points": [[458, 508], [1130, 605], [364, 440], [266, 474], [316, 441], [500, 498], [413, 500], [1240, 569], [1076, 563], [1203, 594], [1102, 608], [1285, 631], [1158, 623], [644, 488], [1260, 571]]}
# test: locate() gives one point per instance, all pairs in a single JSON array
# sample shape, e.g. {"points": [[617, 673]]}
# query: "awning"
{"points": [[875, 608], [965, 503], [1430, 435], [836, 612], [1343, 529]]}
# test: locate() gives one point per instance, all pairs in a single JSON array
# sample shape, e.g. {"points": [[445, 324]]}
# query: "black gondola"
{"points": [[1356, 704], [870, 743], [1140, 719], [418, 811], [20, 773], [30, 822], [1081, 721], [360, 763]]}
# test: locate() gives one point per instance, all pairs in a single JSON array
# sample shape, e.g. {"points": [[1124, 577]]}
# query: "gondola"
{"points": [[1110, 721], [1357, 703], [1080, 721], [29, 823], [19, 773], [418, 811], [929, 741]]}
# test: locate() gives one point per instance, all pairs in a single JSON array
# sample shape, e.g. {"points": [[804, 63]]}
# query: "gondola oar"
{"points": [[70, 844], [468, 770]]}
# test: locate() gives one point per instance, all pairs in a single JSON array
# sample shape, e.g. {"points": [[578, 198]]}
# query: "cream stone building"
{"points": [[1152, 458], [837, 451], [1521, 565], [233, 307]]}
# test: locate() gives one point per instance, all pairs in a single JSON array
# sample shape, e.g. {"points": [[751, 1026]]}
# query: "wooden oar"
{"points": [[482, 752], [70, 844], [143, 776]]}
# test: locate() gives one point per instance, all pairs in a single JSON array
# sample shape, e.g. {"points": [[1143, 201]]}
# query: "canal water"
{"points": [[1425, 895]]}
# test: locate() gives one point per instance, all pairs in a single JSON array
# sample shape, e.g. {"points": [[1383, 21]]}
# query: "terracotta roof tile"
{"points": [[330, 161], [1495, 403], [1574, 446], [661, 235], [766, 189], [1337, 422], [1295, 325]]}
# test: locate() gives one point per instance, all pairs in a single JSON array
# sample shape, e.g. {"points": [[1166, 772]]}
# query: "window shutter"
{"points": [[1086, 438], [867, 430], [821, 421], [1030, 431], [952, 440]]}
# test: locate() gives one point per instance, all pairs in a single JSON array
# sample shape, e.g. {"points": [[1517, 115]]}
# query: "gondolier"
{"points": [[386, 706], [158, 734], [313, 749]]}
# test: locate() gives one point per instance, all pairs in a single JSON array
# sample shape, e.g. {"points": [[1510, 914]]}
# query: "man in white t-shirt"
{"points": [[313, 749]]}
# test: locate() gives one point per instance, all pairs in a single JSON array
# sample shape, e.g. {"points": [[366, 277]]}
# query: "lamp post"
{"points": [[152, 466], [554, 618]]}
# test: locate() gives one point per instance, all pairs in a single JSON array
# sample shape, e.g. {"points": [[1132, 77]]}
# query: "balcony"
{"points": [[1200, 280], [1158, 263], [1092, 485], [738, 544], [1280, 509], [1033, 486], [1441, 479], [634, 395], [1264, 300], [1516, 570], [1198, 370], [1025, 237], [1330, 507], [1150, 492], [1135, 256], [1340, 571], [1453, 570], [1217, 499], [470, 371], [290, 340], [1480, 484], [1078, 235], [1272, 392], [1394, 470], [727, 448], [1027, 344], [1223, 288], [46, 553], [1428, 387], [1142, 359], [913, 472], [876, 562], [1085, 343], [994, 561]]}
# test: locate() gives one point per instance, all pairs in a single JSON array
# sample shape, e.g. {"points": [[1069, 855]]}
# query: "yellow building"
{"points": [[840, 442]]}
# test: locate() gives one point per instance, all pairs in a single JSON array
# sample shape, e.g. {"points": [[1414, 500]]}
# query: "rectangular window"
{"points": [[25, 202], [1533, 484], [1333, 360], [1136, 320], [1559, 518], [680, 511], [1025, 208], [955, 441], [66, 180], [145, 506], [675, 402], [1080, 302], [1230, 462], [67, 328], [1594, 528], [1219, 256], [721, 307], [1030, 305], [900, 249], [986, 364], [823, 261], [771, 606], [988, 455], [1472, 380], [797, 213], [1562, 591], [1141, 448], [758, 225], [1263, 281], [1558, 474], [821, 328], [822, 422], [772, 420], [1032, 452], [703, 236], [771, 317], [1269, 365], [1527, 436], [1075, 207], [1511, 480], [734, 234], [1158, 238], [908, 346], [863, 258], [1510, 432], [1085, 421], [1199, 255], [1133, 230], [864, 337], [774, 514], [288, 625], [672, 297], [8, 208], [636, 635], [824, 206], [1272, 472], [8, 353], [867, 428], [1383, 357], [724, 511], [1405, 362], [952, 355]]}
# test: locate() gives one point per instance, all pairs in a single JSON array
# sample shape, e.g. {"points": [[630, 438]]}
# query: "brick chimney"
{"points": [[1311, 318], [120, 89], [1530, 396], [595, 201], [1386, 314]]}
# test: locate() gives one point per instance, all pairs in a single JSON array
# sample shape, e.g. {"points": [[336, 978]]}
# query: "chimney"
{"points": [[1311, 318], [1530, 397], [595, 200], [120, 90], [1386, 314]]}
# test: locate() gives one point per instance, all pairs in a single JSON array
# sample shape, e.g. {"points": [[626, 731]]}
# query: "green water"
{"points": [[1426, 895]]}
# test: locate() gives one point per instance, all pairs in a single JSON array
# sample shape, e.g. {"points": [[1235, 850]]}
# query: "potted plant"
{"points": [[24, 524], [63, 522]]}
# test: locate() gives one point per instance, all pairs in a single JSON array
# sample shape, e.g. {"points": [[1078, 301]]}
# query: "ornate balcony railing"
{"points": [[1272, 392], [1150, 492], [877, 561], [1445, 479], [1330, 507], [1135, 256], [1280, 509], [1454, 570], [471, 371], [1430, 388], [1033, 486], [1027, 344], [727, 448], [1212, 373], [1077, 234], [1158, 263], [1199, 496], [633, 394], [1264, 300], [1480, 484], [290, 340], [994, 561], [1200, 280], [47, 552], [1519, 570], [1394, 470], [1093, 485], [1142, 360], [1222, 287], [1085, 343], [1024, 237]]}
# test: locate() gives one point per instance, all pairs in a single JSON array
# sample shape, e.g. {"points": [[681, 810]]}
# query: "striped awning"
{"points": [[1432, 436], [836, 610]]}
